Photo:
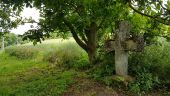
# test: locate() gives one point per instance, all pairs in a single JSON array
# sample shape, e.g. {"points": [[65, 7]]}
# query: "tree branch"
{"points": [[75, 36], [161, 20], [163, 6], [84, 38]]}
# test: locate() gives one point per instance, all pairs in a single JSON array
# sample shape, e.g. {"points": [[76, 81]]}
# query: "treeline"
{"points": [[11, 39]]}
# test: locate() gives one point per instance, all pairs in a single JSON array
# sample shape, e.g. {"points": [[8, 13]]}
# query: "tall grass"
{"points": [[22, 52], [24, 72], [56, 51], [68, 54]]}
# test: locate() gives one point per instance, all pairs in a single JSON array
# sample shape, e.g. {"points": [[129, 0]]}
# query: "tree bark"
{"points": [[92, 42], [91, 56], [121, 55]]}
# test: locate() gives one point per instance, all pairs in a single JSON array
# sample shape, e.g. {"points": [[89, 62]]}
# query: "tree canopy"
{"points": [[8, 18], [158, 10]]}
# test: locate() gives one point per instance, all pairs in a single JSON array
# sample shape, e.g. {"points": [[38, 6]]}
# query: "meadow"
{"points": [[60, 67], [25, 70]]}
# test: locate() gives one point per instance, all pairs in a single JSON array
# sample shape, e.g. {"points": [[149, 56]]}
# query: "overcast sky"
{"points": [[27, 12]]}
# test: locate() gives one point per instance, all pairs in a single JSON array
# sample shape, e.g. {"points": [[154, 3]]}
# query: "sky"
{"points": [[27, 13]]}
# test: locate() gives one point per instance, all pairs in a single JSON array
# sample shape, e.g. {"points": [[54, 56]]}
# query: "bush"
{"points": [[22, 52], [81, 63], [144, 82], [149, 67], [155, 59]]}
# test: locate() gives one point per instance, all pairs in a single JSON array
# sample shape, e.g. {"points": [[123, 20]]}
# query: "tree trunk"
{"points": [[91, 56], [2, 47], [92, 42], [121, 55]]}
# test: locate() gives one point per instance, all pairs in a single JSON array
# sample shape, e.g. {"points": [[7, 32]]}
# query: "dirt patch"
{"points": [[87, 87]]}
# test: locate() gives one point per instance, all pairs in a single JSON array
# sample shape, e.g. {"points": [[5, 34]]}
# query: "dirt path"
{"points": [[87, 87]]}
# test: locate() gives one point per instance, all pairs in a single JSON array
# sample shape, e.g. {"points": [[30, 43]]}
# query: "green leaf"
{"points": [[158, 7]]}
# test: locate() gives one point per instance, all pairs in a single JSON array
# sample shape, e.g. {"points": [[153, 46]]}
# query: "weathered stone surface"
{"points": [[121, 44], [129, 45], [121, 56], [109, 45]]}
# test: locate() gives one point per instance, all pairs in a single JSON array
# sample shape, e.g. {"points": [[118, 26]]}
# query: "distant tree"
{"points": [[5, 21], [11, 39]]}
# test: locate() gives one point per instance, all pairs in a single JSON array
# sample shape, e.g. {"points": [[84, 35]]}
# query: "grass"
{"points": [[36, 82], [12, 64], [28, 70], [53, 44], [33, 76]]}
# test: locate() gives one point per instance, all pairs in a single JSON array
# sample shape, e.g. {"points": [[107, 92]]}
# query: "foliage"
{"points": [[10, 39], [150, 67], [6, 23], [138, 23], [159, 11], [143, 82], [148, 28], [154, 59], [104, 66], [8, 18], [80, 14]]}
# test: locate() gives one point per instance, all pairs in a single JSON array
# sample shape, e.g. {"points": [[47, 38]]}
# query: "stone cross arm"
{"points": [[128, 45]]}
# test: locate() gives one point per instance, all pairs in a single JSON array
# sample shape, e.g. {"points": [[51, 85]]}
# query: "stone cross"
{"points": [[121, 44]]}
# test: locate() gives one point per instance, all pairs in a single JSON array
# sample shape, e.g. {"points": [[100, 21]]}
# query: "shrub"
{"points": [[155, 59], [22, 52], [108, 80], [149, 67], [144, 82], [81, 63]]}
